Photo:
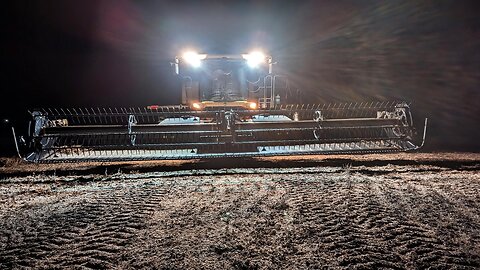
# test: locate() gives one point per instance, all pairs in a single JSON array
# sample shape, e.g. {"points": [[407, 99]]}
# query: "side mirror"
{"points": [[175, 66], [6, 123]]}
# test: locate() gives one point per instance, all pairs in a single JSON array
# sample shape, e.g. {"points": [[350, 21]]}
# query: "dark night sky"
{"points": [[117, 53]]}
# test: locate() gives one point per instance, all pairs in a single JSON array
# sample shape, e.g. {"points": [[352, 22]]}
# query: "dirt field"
{"points": [[408, 211]]}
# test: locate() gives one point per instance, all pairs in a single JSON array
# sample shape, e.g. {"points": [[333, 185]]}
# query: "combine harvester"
{"points": [[232, 106]]}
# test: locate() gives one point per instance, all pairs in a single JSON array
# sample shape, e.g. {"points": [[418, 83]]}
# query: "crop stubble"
{"points": [[398, 217]]}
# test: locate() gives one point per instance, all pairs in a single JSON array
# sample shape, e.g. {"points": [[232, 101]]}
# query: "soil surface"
{"points": [[401, 211]]}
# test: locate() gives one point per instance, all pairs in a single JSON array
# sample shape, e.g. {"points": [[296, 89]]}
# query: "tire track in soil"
{"points": [[91, 235], [425, 238], [344, 224], [342, 220], [354, 230]]}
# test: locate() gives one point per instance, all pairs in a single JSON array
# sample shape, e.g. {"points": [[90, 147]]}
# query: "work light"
{"points": [[254, 59], [193, 58]]}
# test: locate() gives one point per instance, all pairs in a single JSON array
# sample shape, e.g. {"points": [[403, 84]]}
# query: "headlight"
{"points": [[254, 59], [193, 58], [252, 105]]}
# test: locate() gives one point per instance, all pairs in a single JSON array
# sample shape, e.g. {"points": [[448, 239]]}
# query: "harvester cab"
{"points": [[232, 106], [228, 81]]}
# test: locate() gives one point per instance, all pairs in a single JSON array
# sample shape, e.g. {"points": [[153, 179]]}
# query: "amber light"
{"points": [[196, 106]]}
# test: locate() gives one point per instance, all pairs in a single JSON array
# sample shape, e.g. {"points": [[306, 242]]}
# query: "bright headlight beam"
{"points": [[254, 59], [193, 58]]}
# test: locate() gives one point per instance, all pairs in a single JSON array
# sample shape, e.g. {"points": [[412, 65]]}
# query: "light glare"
{"points": [[254, 59], [193, 58], [196, 106]]}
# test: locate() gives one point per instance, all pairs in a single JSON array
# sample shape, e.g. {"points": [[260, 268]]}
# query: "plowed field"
{"points": [[342, 214]]}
